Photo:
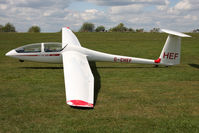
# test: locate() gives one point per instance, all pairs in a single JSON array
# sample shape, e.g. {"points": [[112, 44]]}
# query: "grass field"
{"points": [[129, 97]]}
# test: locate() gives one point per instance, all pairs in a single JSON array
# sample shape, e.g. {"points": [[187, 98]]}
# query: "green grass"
{"points": [[131, 97]]}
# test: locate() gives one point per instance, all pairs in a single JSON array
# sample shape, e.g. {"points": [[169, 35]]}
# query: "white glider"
{"points": [[79, 80]]}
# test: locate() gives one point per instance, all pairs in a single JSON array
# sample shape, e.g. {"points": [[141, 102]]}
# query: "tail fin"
{"points": [[170, 54]]}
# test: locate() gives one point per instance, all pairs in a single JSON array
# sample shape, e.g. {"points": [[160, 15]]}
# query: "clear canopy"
{"points": [[52, 47], [37, 47], [31, 48]]}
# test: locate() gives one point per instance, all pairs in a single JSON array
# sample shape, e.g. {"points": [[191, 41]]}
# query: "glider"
{"points": [[79, 80]]}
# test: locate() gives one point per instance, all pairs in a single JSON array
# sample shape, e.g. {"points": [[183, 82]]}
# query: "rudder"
{"points": [[171, 51]]}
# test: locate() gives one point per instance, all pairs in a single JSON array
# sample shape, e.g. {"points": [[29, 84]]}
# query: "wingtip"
{"points": [[79, 103], [66, 27], [175, 33]]}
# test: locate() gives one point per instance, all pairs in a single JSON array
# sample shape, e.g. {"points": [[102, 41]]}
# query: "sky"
{"points": [[52, 15]]}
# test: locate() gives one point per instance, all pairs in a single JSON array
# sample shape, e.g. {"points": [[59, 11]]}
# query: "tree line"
{"points": [[90, 27], [8, 27], [86, 27]]}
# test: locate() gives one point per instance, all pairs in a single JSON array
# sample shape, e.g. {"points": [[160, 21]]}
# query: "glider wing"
{"points": [[68, 38], [79, 80]]}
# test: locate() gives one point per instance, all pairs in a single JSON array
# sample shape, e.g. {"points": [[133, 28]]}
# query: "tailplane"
{"points": [[170, 54]]}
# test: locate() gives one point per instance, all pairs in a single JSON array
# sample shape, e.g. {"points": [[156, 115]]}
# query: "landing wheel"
{"points": [[21, 60], [156, 66]]}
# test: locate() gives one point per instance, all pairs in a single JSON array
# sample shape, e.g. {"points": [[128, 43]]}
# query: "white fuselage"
{"points": [[56, 57]]}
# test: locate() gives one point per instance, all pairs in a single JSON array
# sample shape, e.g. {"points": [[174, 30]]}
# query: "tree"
{"points": [[131, 30], [155, 30], [87, 27], [1, 28], [119, 28], [140, 30], [34, 29], [196, 31], [100, 29], [8, 28]]}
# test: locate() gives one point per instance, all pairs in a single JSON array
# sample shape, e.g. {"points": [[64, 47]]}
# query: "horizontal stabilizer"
{"points": [[174, 33]]}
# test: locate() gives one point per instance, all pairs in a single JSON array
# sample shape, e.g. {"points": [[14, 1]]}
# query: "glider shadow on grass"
{"points": [[194, 65], [41, 67]]}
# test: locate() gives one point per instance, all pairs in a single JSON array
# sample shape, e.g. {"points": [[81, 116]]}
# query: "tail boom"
{"points": [[104, 57]]}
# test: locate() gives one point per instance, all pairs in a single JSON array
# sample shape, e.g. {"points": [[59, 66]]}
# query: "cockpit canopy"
{"points": [[30, 48], [40, 47], [52, 47]]}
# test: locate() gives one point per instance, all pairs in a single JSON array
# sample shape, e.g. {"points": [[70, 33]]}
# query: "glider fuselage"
{"points": [[42, 54]]}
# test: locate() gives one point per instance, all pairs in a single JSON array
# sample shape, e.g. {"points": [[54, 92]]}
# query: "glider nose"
{"points": [[11, 53]]}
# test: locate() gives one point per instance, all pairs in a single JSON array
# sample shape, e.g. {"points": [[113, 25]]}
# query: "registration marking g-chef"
{"points": [[127, 60]]}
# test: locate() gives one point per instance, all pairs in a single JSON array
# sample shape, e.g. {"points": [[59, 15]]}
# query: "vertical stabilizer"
{"points": [[171, 52]]}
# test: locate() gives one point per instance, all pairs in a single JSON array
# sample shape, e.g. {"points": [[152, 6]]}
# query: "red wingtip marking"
{"points": [[158, 60], [79, 103]]}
